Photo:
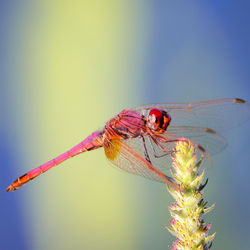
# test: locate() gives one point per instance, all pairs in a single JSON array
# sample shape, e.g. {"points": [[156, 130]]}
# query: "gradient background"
{"points": [[66, 68]]}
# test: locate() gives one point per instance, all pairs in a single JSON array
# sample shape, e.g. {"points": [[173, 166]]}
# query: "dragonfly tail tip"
{"points": [[238, 100], [10, 188]]}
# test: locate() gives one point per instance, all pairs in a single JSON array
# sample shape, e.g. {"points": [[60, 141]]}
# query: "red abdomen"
{"points": [[93, 141]]}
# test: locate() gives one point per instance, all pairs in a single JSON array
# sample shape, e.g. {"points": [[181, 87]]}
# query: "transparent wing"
{"points": [[211, 141], [205, 139], [161, 160], [219, 115], [124, 157], [207, 142]]}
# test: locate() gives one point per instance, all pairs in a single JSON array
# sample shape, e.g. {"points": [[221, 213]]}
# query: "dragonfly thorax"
{"points": [[127, 124], [158, 120]]}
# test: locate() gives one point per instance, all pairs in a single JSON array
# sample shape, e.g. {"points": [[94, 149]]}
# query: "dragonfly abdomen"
{"points": [[91, 142]]}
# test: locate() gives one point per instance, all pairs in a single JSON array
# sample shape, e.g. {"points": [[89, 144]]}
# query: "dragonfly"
{"points": [[140, 140]]}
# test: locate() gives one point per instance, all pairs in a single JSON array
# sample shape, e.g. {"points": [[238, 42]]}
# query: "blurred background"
{"points": [[69, 66]]}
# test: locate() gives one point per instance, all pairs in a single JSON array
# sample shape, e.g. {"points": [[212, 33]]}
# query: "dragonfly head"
{"points": [[158, 120]]}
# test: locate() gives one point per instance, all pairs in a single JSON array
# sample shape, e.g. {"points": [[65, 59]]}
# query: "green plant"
{"points": [[187, 223]]}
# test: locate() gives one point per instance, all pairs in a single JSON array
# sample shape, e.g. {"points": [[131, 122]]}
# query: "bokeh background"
{"points": [[66, 67]]}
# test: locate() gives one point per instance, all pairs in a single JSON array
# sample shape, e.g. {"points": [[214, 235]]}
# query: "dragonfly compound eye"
{"points": [[158, 120]]}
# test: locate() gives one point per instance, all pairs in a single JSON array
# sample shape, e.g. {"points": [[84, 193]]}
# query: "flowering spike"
{"points": [[199, 162], [208, 209], [197, 181], [187, 223], [170, 230], [209, 238], [203, 185]]}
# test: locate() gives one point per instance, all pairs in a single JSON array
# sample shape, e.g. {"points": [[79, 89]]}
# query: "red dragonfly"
{"points": [[141, 139]]}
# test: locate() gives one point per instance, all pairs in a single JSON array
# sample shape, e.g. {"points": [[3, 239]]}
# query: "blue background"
{"points": [[68, 67]]}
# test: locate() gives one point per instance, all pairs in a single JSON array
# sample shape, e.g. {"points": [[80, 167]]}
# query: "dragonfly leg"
{"points": [[168, 152], [145, 150]]}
